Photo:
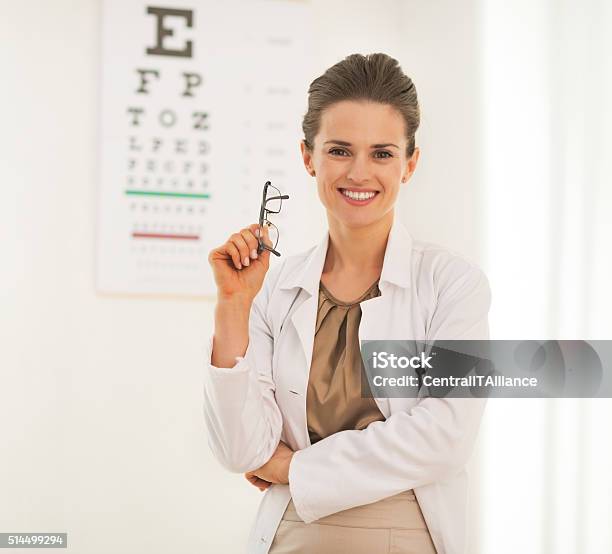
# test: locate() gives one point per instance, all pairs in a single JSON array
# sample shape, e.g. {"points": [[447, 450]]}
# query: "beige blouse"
{"points": [[334, 401], [333, 404]]}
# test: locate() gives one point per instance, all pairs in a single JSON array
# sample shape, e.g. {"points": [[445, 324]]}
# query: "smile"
{"points": [[358, 198]]}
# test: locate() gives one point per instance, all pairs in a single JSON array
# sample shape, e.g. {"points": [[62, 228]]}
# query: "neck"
{"points": [[355, 250]]}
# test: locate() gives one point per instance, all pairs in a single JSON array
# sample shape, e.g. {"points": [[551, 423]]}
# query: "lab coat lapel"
{"points": [[304, 316], [384, 317], [304, 320]]}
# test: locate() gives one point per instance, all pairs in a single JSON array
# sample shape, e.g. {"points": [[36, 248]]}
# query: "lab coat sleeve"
{"points": [[430, 442], [240, 411]]}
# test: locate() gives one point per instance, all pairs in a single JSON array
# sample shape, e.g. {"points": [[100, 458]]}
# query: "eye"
{"points": [[384, 154]]}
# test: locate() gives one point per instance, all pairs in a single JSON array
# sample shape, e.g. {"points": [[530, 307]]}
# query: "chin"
{"points": [[356, 222]]}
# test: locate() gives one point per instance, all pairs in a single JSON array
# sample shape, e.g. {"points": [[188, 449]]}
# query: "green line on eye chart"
{"points": [[161, 193]]}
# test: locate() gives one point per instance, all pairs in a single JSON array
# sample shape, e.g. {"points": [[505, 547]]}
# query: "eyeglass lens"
{"points": [[273, 200]]}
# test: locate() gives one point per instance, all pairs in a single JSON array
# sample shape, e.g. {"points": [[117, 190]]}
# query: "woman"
{"points": [[282, 390]]}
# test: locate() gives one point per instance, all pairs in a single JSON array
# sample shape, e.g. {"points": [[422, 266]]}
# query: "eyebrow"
{"points": [[344, 143]]}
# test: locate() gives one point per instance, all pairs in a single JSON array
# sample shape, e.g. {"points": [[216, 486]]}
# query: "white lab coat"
{"points": [[427, 293]]}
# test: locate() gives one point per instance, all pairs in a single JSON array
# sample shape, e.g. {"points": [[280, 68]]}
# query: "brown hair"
{"points": [[373, 77]]}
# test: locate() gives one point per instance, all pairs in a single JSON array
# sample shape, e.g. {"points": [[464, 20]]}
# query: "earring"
{"points": [[403, 179]]}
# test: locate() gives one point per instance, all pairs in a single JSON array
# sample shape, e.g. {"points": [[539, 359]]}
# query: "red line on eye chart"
{"points": [[164, 236]]}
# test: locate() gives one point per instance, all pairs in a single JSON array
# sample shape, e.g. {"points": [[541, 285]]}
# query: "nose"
{"points": [[359, 170]]}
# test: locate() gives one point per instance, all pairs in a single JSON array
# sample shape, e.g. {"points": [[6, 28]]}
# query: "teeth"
{"points": [[358, 195]]}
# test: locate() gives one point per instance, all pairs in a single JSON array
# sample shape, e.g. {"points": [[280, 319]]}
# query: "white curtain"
{"points": [[547, 84]]}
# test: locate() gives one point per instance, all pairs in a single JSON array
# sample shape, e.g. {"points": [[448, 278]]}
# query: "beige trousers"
{"points": [[392, 525]]}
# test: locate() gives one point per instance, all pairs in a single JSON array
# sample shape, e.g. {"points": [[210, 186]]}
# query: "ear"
{"points": [[411, 165], [307, 157]]}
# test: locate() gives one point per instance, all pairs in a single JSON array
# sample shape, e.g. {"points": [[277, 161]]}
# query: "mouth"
{"points": [[358, 197]]}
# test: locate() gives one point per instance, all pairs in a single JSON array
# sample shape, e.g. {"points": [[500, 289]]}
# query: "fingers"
{"points": [[261, 484], [266, 235], [265, 232], [234, 253], [263, 253], [251, 241], [256, 481], [240, 246], [243, 246], [254, 228]]}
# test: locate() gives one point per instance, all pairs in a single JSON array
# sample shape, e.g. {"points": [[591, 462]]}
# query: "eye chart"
{"points": [[201, 103]]}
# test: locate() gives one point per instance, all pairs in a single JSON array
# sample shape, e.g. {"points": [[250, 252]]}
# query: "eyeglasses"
{"points": [[271, 203]]}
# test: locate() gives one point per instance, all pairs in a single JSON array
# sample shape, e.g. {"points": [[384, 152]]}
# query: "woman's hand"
{"points": [[256, 481], [239, 272], [275, 470], [238, 268]]}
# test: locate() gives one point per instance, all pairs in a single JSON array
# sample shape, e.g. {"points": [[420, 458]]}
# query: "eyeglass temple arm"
{"points": [[283, 197]]}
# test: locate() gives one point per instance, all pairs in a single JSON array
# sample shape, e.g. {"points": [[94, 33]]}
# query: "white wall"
{"points": [[440, 50], [548, 114], [100, 396]]}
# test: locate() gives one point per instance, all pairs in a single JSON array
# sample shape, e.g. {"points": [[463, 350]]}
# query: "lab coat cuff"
{"points": [[299, 487]]}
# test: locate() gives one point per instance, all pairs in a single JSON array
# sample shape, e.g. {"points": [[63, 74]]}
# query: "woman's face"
{"points": [[359, 160]]}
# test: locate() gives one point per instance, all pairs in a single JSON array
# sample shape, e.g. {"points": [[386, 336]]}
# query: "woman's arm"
{"points": [[430, 442], [242, 418], [231, 336]]}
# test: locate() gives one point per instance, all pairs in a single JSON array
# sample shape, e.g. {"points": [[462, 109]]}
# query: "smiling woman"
{"points": [[284, 404], [360, 169]]}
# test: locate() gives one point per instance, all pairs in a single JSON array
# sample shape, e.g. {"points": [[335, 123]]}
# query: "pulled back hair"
{"points": [[373, 77]]}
